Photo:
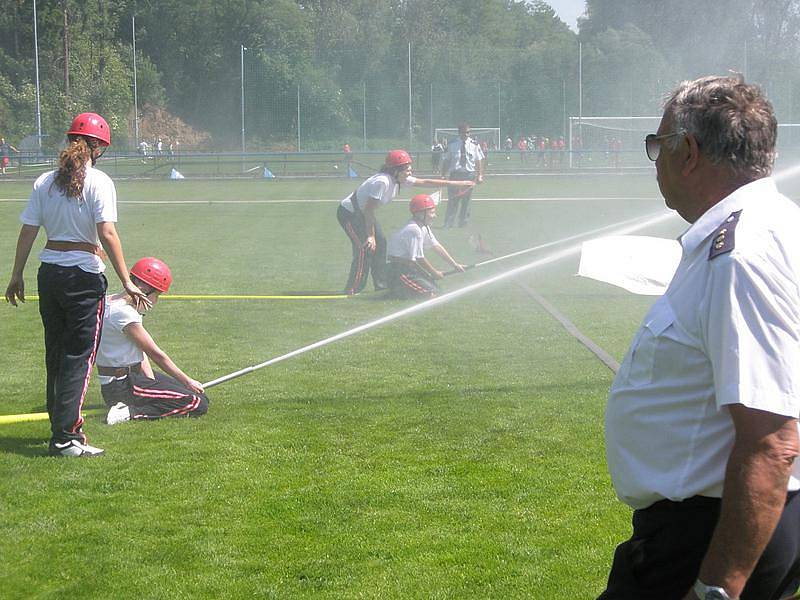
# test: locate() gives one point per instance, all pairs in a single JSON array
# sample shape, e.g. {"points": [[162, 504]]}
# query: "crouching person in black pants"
{"points": [[130, 387], [410, 273]]}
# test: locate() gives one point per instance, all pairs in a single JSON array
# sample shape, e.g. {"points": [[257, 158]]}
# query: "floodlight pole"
{"points": [[564, 106], [580, 85], [433, 133], [38, 99], [135, 88], [364, 115], [242, 93], [410, 129], [499, 113], [298, 117]]}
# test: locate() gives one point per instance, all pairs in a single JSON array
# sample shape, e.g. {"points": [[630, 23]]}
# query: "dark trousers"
{"points": [[71, 303], [459, 196], [355, 227], [662, 558], [409, 281], [155, 398]]}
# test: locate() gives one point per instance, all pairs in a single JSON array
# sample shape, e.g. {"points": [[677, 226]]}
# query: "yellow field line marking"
{"points": [[42, 416]]}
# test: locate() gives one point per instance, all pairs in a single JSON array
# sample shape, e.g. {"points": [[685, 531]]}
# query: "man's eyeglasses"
{"points": [[652, 143]]}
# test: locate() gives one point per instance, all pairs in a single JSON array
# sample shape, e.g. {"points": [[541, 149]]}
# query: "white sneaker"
{"points": [[119, 413], [74, 448]]}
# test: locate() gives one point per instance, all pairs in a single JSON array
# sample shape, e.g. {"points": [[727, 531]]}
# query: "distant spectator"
{"points": [[542, 147], [508, 146], [5, 154], [522, 146], [159, 147], [437, 149], [577, 147], [348, 156]]}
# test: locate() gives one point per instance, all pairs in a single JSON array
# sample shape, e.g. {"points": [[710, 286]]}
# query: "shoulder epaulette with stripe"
{"points": [[723, 239]]}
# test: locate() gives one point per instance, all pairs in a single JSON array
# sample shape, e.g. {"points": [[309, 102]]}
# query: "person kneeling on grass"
{"points": [[130, 387], [410, 273]]}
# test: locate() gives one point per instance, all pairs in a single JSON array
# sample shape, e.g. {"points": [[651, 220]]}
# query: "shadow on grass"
{"points": [[32, 447]]}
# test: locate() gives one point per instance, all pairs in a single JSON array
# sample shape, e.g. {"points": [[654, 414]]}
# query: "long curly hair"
{"points": [[72, 164]]}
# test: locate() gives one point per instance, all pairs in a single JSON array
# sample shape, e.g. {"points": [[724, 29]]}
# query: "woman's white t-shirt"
{"points": [[68, 219]]}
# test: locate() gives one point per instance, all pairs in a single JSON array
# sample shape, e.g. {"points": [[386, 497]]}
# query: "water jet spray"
{"points": [[621, 228]]}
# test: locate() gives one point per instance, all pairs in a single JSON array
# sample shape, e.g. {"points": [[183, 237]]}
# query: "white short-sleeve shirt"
{"points": [[410, 242], [116, 348], [381, 187], [72, 219], [473, 154], [726, 331]]}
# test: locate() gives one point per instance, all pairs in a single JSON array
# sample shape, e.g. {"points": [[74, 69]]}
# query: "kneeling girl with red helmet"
{"points": [[410, 273], [356, 215], [130, 387]]}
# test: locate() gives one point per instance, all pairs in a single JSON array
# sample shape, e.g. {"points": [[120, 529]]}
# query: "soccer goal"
{"points": [[619, 141], [490, 135], [609, 141]]}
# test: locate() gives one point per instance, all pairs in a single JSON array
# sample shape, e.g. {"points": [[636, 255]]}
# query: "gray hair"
{"points": [[733, 122]]}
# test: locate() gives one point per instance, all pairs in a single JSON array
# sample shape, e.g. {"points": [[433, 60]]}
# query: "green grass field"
{"points": [[456, 453]]}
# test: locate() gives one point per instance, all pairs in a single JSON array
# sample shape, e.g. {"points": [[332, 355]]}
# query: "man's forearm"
{"points": [[754, 497]]}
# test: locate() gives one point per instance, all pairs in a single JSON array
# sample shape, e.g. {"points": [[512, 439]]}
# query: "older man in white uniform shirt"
{"points": [[463, 161], [701, 423]]}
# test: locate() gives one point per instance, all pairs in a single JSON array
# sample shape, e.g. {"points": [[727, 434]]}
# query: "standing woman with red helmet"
{"points": [[77, 206], [356, 215], [130, 387]]}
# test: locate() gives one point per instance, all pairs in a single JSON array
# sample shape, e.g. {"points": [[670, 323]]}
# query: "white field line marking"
{"points": [[328, 200], [624, 228], [572, 329]]}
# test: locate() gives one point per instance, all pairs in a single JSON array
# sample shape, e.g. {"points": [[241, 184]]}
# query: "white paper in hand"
{"points": [[640, 264]]}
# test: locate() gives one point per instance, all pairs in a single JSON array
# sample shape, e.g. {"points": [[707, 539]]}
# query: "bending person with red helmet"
{"points": [[77, 206], [130, 387], [411, 275], [356, 215]]}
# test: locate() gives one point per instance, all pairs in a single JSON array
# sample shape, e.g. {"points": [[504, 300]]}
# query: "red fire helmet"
{"points": [[421, 202], [395, 158], [153, 272], [91, 125]]}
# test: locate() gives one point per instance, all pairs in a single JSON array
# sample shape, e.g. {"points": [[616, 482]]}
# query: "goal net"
{"points": [[609, 141], [619, 141]]}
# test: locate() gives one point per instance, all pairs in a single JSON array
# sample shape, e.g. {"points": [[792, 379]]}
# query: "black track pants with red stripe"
{"points": [[363, 260], [155, 398], [71, 305], [409, 281]]}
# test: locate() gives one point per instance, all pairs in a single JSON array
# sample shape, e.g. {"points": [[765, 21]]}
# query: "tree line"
{"points": [[346, 63]]}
